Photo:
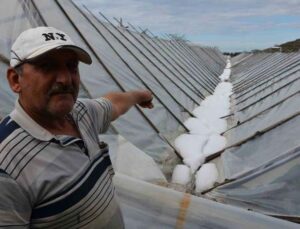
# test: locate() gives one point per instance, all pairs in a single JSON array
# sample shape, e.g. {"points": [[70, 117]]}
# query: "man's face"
{"points": [[49, 85]]}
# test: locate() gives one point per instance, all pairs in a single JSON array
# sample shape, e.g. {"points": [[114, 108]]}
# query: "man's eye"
{"points": [[46, 66], [73, 66]]}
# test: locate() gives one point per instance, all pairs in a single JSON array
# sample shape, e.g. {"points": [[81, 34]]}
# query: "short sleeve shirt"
{"points": [[50, 181]]}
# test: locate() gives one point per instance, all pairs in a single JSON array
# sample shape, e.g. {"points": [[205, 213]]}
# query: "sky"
{"points": [[230, 25]]}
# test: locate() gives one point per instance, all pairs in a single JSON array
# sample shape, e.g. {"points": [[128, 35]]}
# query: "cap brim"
{"points": [[82, 55]]}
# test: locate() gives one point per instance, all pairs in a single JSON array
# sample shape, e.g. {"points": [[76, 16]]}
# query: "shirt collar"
{"points": [[20, 116]]}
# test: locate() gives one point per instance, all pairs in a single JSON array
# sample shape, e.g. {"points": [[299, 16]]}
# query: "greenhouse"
{"points": [[232, 124]]}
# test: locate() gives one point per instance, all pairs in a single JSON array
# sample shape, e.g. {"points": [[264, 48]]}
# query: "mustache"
{"points": [[62, 89]]}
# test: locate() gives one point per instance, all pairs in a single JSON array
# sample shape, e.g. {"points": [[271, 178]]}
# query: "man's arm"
{"points": [[123, 101]]}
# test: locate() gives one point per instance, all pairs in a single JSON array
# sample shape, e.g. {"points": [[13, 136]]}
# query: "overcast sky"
{"points": [[231, 25]]}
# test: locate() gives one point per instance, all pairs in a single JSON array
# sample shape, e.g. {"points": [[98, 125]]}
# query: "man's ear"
{"points": [[13, 80]]}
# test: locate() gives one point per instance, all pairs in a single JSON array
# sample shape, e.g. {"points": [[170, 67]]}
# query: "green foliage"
{"points": [[291, 46]]}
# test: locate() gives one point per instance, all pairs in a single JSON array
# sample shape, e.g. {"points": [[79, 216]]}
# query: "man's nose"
{"points": [[63, 76]]}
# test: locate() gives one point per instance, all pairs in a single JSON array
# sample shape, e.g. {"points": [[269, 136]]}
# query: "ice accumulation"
{"points": [[181, 174], [204, 137], [206, 177]]}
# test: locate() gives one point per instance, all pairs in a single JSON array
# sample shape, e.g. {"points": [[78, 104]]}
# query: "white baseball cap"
{"points": [[36, 41]]}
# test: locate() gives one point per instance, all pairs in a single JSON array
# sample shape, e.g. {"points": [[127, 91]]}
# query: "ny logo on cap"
{"points": [[51, 36]]}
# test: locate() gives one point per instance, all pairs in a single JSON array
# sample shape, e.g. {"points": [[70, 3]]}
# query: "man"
{"points": [[54, 172]]}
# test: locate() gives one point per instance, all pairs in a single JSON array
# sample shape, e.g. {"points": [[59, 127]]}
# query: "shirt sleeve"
{"points": [[15, 207], [100, 111]]}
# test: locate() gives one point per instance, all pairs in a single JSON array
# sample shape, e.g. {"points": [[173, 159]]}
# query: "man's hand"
{"points": [[123, 101], [147, 104], [147, 99]]}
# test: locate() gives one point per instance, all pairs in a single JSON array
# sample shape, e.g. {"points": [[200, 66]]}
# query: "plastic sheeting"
{"points": [[181, 71], [259, 69], [260, 164], [131, 161], [151, 206], [239, 58], [274, 95], [264, 121], [268, 79], [13, 21], [7, 97], [272, 188], [125, 76], [262, 149]]}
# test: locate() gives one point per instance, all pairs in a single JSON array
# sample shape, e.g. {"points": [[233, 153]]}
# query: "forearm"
{"points": [[123, 101]]}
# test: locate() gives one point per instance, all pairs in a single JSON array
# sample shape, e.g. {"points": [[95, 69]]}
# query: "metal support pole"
{"points": [[131, 69], [168, 59], [183, 64], [196, 102], [197, 92]]}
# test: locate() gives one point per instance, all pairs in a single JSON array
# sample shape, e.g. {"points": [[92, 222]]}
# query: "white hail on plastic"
{"points": [[205, 137]]}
